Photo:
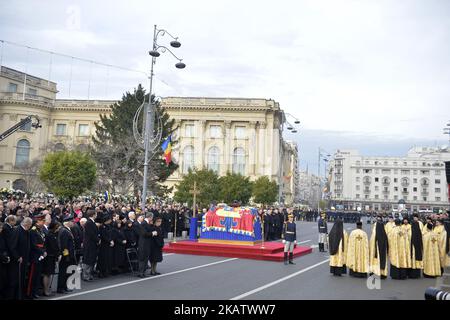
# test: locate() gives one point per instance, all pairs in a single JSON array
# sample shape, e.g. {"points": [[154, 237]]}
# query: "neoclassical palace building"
{"points": [[222, 134]]}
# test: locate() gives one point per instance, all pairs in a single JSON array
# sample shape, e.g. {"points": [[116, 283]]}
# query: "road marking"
{"points": [[315, 246], [167, 254], [278, 281], [303, 241], [145, 279]]}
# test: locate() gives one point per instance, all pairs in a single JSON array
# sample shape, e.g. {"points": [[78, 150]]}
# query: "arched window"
{"points": [[188, 158], [239, 161], [22, 152], [213, 159]]}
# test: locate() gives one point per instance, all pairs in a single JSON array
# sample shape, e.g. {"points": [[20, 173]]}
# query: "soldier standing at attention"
{"points": [[323, 232], [289, 239]]}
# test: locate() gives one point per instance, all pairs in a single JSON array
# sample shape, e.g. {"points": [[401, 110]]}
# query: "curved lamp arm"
{"points": [[163, 32], [165, 48]]}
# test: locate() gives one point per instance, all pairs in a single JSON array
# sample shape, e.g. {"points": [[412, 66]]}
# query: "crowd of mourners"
{"points": [[43, 237]]}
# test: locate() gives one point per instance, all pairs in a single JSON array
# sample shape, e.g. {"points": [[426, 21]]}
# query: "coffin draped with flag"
{"points": [[231, 225]]}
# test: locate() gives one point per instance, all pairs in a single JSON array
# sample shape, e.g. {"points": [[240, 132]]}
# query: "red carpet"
{"points": [[273, 251]]}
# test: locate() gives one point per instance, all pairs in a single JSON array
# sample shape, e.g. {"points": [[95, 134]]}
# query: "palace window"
{"points": [[239, 161], [188, 158], [213, 159], [22, 152]]}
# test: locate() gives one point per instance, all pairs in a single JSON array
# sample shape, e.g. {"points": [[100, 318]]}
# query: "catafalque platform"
{"points": [[272, 251]]}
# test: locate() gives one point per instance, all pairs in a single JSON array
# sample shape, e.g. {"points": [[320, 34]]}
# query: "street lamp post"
{"points": [[324, 156], [149, 108]]}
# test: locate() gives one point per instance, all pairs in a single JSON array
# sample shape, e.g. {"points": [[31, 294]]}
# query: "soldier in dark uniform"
{"points": [[91, 241], [37, 254], [323, 232], [67, 247], [289, 239], [179, 218]]}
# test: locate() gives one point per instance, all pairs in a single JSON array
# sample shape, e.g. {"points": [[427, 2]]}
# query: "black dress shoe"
{"points": [[68, 290], [35, 296], [61, 291], [48, 295], [157, 273]]}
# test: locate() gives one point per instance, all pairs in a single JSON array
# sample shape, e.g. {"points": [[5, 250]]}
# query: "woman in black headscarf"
{"points": [[379, 249], [338, 244], [416, 251]]}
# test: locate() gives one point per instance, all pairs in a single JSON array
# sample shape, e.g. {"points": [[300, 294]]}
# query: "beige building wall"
{"points": [[225, 124]]}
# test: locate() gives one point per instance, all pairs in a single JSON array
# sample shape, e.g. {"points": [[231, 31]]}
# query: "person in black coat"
{"points": [[4, 261], [21, 253], [105, 253], [67, 247], [91, 241], [78, 238], [119, 249], [157, 244], [12, 274], [53, 255], [130, 235], [145, 239]]}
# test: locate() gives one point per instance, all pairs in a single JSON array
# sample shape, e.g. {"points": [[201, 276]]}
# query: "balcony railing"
{"points": [[17, 96]]}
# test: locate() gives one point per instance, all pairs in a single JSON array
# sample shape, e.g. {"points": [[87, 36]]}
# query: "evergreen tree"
{"points": [[120, 158], [235, 187]]}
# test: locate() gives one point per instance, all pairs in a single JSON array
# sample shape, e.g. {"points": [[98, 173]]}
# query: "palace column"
{"points": [[227, 152], [252, 148]]}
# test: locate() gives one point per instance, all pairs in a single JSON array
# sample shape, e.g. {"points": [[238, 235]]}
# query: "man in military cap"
{"points": [[37, 255], [67, 247], [289, 239], [323, 232]]}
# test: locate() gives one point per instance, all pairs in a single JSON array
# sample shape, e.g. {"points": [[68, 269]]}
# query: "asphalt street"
{"points": [[190, 277]]}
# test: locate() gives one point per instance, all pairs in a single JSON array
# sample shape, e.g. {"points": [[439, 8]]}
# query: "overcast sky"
{"points": [[373, 75]]}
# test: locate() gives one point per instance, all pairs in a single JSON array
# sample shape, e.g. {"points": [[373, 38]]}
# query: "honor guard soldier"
{"points": [[323, 232], [37, 255], [289, 239]]}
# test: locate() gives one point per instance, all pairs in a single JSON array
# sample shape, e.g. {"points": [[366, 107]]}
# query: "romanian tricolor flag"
{"points": [[167, 148]]}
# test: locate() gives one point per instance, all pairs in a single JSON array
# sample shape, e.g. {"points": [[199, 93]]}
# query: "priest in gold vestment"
{"points": [[431, 257], [338, 241], [378, 249], [443, 243], [357, 259], [399, 251], [389, 225]]}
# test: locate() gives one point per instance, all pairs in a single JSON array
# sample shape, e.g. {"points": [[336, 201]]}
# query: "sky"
{"points": [[369, 75]]}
